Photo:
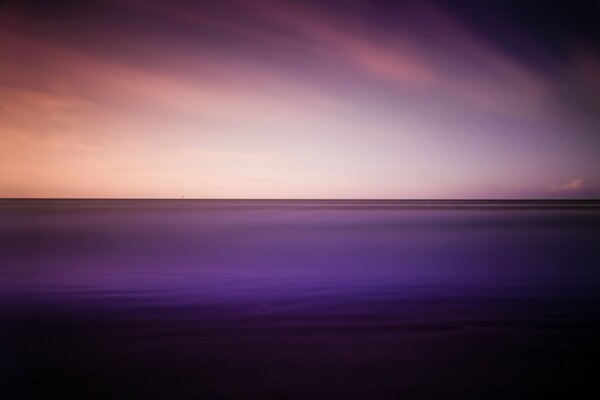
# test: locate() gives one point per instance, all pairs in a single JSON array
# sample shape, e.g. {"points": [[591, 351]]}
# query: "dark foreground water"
{"points": [[299, 299]]}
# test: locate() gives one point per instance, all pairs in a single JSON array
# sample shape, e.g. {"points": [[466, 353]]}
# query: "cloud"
{"points": [[576, 184], [429, 50], [576, 188]]}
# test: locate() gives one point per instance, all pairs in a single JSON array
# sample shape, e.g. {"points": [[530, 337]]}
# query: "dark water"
{"points": [[299, 299]]}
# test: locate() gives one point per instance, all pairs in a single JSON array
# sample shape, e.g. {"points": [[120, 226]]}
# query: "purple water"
{"points": [[299, 299]]}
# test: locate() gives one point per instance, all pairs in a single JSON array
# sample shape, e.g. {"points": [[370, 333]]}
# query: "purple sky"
{"points": [[306, 99]]}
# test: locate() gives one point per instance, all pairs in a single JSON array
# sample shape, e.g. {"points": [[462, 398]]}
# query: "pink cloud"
{"points": [[573, 185]]}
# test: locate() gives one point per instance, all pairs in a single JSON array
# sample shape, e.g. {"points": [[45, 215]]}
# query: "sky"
{"points": [[299, 99]]}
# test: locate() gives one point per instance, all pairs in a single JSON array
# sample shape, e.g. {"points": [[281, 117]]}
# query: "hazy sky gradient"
{"points": [[280, 99]]}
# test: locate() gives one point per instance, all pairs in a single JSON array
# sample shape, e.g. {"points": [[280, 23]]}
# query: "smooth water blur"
{"points": [[231, 298]]}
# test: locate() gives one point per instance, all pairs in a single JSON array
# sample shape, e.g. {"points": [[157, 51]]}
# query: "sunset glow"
{"points": [[278, 99]]}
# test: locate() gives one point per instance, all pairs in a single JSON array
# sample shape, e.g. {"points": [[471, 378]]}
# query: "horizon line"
{"points": [[302, 199]]}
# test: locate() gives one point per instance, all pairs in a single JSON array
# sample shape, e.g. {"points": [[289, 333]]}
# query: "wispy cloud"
{"points": [[496, 82]]}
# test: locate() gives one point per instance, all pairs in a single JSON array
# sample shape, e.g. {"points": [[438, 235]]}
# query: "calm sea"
{"points": [[299, 299]]}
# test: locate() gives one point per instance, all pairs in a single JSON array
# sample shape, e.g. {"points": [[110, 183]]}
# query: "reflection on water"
{"points": [[302, 299]]}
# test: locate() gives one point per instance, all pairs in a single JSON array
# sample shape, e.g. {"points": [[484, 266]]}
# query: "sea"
{"points": [[299, 299]]}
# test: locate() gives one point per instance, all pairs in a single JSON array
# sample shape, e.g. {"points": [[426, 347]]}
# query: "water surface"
{"points": [[299, 299]]}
